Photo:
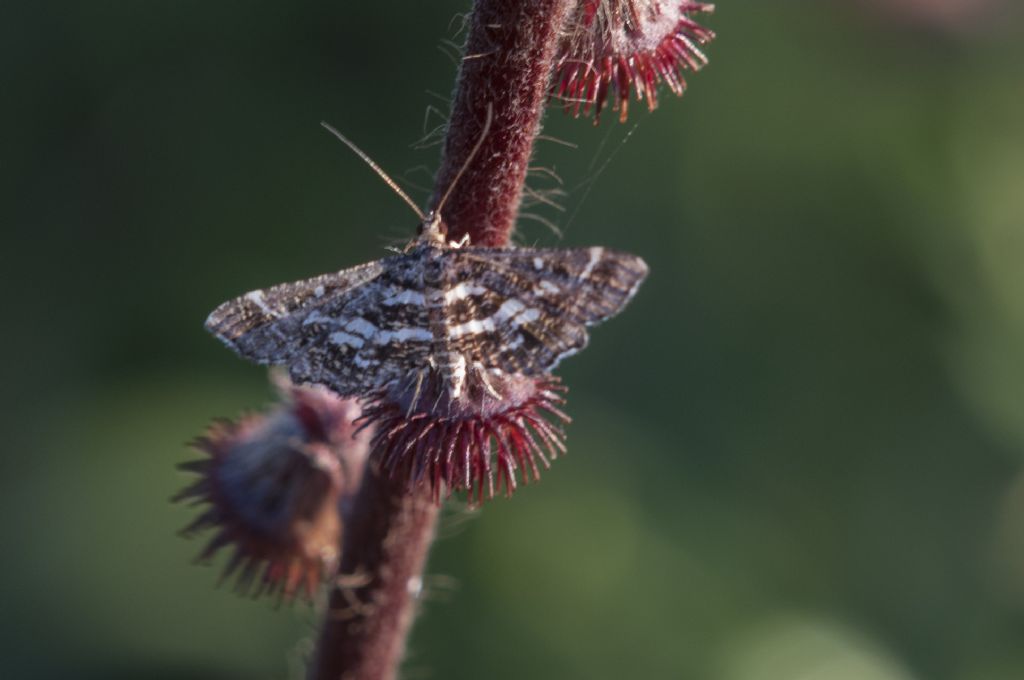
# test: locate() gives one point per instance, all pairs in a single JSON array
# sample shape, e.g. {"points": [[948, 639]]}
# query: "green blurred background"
{"points": [[796, 456]]}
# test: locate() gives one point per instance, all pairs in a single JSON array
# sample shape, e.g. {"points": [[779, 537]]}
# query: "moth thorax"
{"points": [[433, 268]]}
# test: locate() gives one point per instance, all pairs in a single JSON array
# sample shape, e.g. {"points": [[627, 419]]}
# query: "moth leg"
{"points": [[486, 380], [416, 392]]}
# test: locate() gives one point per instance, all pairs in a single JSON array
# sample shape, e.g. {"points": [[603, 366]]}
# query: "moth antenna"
{"points": [[469, 159], [380, 171]]}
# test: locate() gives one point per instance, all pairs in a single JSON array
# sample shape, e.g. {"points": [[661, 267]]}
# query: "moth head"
{"points": [[432, 230]]}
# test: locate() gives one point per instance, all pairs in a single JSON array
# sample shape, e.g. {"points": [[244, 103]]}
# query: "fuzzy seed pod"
{"points": [[499, 428], [615, 47], [273, 483]]}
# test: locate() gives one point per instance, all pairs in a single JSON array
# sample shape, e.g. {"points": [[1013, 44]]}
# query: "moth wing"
{"points": [[268, 326], [379, 334], [529, 308]]}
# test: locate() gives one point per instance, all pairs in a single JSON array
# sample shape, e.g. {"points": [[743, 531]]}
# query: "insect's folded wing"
{"points": [[364, 348], [529, 308], [599, 282], [534, 344], [268, 326], [367, 338]]}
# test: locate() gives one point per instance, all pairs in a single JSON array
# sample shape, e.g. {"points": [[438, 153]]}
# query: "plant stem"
{"points": [[384, 551], [508, 58]]}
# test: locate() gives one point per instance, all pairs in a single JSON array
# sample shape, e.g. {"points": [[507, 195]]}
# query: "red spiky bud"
{"points": [[273, 482], [500, 428], [615, 47]]}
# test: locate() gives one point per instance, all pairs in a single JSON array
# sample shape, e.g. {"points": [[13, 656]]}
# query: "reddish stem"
{"points": [[509, 56], [384, 551], [508, 59]]}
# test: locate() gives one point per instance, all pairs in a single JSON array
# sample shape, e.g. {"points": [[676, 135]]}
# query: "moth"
{"points": [[440, 308]]}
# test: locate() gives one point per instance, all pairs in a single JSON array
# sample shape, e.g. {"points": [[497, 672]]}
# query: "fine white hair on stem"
{"points": [[551, 173]]}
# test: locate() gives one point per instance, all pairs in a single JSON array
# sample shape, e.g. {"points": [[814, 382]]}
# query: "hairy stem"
{"points": [[387, 538], [507, 61]]}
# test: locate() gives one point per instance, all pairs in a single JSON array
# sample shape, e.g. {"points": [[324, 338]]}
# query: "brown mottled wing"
{"points": [[526, 309], [376, 335], [279, 325]]}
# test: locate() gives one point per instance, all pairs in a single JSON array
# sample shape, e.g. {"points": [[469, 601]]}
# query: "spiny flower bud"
{"points": [[498, 428], [273, 482], [613, 47]]}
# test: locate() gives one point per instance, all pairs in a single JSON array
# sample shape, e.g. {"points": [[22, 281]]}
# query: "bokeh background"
{"points": [[797, 455]]}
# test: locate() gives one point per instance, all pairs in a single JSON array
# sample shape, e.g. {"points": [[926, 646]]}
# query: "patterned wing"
{"points": [[316, 327], [378, 334], [523, 310], [264, 325]]}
